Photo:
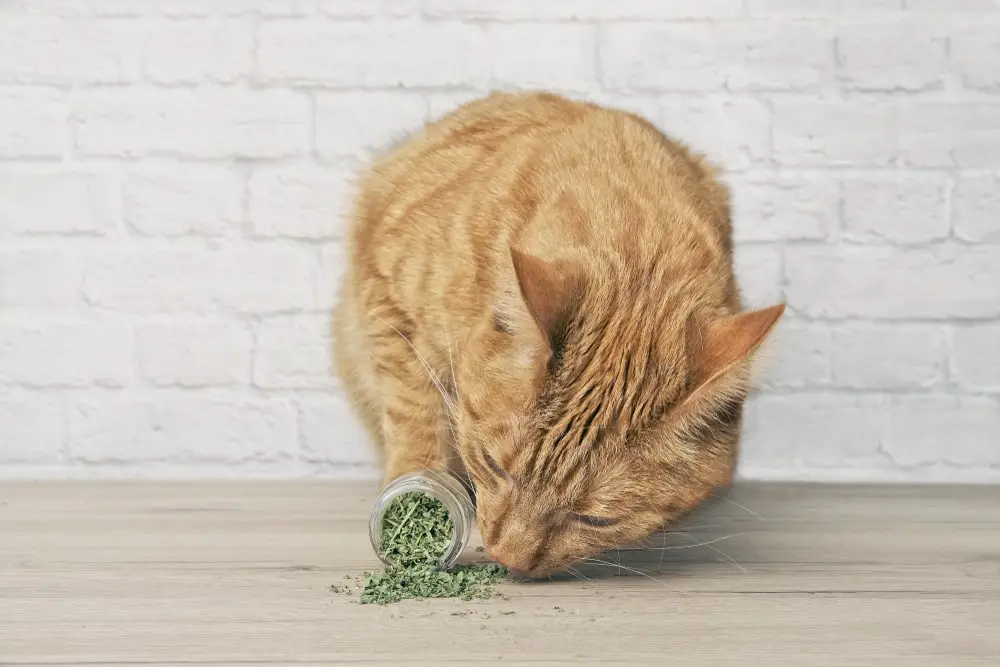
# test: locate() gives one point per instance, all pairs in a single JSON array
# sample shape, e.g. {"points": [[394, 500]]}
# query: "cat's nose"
{"points": [[519, 567]]}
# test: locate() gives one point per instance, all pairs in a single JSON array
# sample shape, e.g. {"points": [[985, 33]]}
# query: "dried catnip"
{"points": [[416, 533]]}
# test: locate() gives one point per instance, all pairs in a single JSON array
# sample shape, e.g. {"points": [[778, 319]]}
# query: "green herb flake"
{"points": [[468, 582], [416, 530], [416, 533]]}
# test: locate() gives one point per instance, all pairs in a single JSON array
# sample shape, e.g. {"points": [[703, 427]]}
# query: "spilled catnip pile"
{"points": [[416, 533]]}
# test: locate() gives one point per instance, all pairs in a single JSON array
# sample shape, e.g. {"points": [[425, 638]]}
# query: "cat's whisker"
{"points": [[454, 435], [729, 558], [715, 549], [435, 380], [692, 526], [576, 573], [454, 385], [451, 365], [742, 507], [699, 544], [624, 567]]}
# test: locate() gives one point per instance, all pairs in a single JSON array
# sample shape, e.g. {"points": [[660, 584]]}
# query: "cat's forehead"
{"points": [[622, 389]]}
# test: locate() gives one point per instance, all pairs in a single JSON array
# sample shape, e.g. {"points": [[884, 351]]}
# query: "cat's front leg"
{"points": [[415, 420], [413, 443]]}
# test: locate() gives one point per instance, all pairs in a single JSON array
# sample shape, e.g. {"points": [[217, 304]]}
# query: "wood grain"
{"points": [[238, 574]]}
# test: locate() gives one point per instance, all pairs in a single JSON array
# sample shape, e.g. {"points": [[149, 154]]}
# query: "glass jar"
{"points": [[443, 486]]}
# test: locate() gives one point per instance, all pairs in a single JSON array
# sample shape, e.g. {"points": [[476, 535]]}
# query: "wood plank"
{"points": [[238, 573]]}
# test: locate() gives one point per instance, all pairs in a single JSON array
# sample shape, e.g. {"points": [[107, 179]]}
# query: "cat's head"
{"points": [[589, 418]]}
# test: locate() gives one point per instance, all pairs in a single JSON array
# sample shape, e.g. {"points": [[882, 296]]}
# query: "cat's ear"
{"points": [[730, 341], [550, 290], [721, 371]]}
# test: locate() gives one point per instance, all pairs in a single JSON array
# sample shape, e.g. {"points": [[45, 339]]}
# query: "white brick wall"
{"points": [[173, 177]]}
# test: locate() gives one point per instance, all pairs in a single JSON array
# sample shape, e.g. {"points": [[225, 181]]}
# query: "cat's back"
{"points": [[455, 166], [497, 160]]}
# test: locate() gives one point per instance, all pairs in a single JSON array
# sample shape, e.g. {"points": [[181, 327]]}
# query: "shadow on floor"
{"points": [[723, 531]]}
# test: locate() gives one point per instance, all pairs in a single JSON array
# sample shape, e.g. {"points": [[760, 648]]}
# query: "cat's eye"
{"points": [[594, 521], [494, 466]]}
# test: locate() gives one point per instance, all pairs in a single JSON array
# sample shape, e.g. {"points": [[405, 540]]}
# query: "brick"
{"points": [[194, 353], [873, 356], [300, 202], [818, 133], [770, 207], [777, 56], [516, 10], [332, 434], [336, 54], [261, 278], [34, 123], [439, 104], [40, 49], [192, 200], [892, 283], [426, 56], [892, 55], [950, 134], [636, 57], [73, 9], [195, 8], [47, 201], [396, 8], [936, 6], [796, 355], [793, 432], [203, 122], [373, 54], [975, 212], [733, 133], [32, 427], [953, 430], [181, 429], [332, 267], [899, 209], [566, 63], [294, 352], [820, 8], [40, 279], [758, 273], [354, 125], [196, 51], [975, 55], [300, 8], [732, 56], [69, 355], [283, 8], [976, 356], [650, 107]]}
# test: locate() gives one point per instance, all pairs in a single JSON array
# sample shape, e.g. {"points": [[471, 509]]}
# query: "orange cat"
{"points": [[540, 296]]}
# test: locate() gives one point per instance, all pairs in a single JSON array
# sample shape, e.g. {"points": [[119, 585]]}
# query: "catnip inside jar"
{"points": [[422, 518]]}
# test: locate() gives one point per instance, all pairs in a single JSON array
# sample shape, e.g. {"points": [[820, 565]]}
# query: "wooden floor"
{"points": [[238, 574]]}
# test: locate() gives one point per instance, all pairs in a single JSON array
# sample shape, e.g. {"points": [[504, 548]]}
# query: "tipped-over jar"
{"points": [[440, 485]]}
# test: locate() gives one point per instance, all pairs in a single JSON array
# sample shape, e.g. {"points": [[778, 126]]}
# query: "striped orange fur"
{"points": [[540, 296]]}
